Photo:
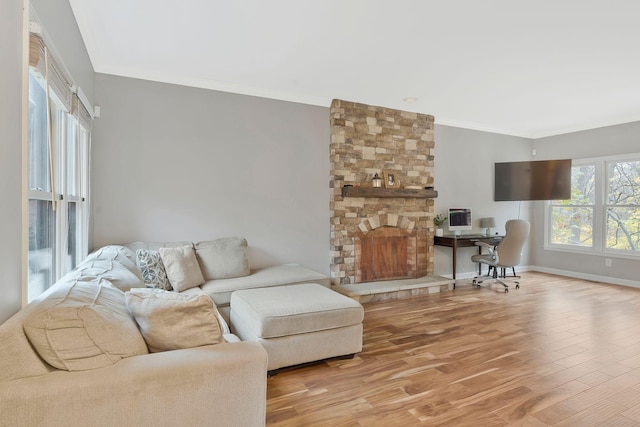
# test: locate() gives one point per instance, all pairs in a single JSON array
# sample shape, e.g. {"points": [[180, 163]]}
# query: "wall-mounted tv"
{"points": [[534, 180]]}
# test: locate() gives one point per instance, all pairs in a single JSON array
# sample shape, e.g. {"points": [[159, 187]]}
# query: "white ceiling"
{"points": [[525, 68]]}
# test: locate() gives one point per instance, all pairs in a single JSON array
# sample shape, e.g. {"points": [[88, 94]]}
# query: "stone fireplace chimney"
{"points": [[380, 233]]}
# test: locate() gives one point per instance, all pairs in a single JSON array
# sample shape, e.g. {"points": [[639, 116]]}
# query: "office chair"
{"points": [[506, 254]]}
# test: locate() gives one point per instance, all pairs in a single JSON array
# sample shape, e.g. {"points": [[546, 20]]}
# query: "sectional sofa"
{"points": [[77, 356], [225, 268]]}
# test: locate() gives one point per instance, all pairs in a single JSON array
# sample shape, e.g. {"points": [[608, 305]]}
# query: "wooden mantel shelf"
{"points": [[389, 193]]}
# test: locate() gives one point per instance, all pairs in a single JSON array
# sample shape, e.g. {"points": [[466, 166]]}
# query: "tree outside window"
{"points": [[623, 205], [572, 220]]}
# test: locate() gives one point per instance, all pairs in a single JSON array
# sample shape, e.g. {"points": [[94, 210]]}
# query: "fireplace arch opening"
{"points": [[385, 253]]}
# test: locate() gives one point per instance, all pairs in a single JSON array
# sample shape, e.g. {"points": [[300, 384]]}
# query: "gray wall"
{"points": [[607, 141], [11, 248], [464, 161], [177, 163]]}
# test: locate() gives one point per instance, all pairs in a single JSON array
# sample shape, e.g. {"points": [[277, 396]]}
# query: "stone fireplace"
{"points": [[380, 234]]}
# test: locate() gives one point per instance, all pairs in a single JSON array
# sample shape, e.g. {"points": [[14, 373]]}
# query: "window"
{"points": [[623, 206], [603, 215], [572, 220], [42, 223], [58, 159]]}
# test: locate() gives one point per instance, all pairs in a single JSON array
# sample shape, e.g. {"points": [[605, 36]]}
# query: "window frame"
{"points": [[599, 212], [63, 139], [607, 205], [548, 242]]}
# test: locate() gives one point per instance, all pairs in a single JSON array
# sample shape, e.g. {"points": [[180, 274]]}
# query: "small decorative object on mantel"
{"points": [[376, 182], [391, 179], [439, 221], [413, 187]]}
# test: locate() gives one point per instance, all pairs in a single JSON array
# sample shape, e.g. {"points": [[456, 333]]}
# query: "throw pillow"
{"points": [[223, 323], [223, 258], [153, 272], [182, 267], [116, 273], [171, 321], [109, 257], [86, 327]]}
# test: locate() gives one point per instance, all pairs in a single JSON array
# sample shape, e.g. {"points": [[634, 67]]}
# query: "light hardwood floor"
{"points": [[556, 352]]}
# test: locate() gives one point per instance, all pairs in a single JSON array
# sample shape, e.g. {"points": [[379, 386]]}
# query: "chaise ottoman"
{"points": [[298, 323]]}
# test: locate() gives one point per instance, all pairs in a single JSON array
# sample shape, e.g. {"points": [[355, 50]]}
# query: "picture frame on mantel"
{"points": [[391, 178]]}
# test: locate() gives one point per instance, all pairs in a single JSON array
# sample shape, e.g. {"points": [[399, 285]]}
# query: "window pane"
{"points": [[71, 158], [58, 132], [583, 182], [624, 183], [38, 140], [41, 246], [572, 225], [623, 228], [72, 236], [84, 163]]}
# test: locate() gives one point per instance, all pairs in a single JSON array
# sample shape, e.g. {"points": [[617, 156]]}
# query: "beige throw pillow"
{"points": [[182, 267], [223, 258], [87, 327], [171, 321]]}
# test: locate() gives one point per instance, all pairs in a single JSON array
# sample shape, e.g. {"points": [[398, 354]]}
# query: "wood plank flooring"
{"points": [[556, 352]]}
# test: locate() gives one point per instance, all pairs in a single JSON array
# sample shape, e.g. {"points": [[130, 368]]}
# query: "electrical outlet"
{"points": [[607, 262]]}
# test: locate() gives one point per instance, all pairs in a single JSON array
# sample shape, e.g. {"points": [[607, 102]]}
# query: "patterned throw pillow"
{"points": [[153, 272]]}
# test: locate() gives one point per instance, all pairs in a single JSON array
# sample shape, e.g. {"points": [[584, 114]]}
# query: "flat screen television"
{"points": [[533, 180], [459, 219]]}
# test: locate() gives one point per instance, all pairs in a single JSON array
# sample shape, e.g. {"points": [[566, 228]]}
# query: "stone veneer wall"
{"points": [[366, 140]]}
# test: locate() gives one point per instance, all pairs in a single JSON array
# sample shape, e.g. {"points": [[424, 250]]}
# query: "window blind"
{"points": [[41, 60], [80, 112]]}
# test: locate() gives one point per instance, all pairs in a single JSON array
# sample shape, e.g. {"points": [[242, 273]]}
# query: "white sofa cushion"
{"points": [[86, 326], [295, 309], [115, 252], [223, 258], [173, 321], [278, 275], [154, 246], [112, 271], [182, 267], [115, 264]]}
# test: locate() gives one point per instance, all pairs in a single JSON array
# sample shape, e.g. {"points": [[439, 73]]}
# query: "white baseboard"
{"points": [[592, 277]]}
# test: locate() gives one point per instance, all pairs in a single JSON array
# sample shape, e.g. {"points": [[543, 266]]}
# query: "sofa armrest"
{"points": [[220, 385]]}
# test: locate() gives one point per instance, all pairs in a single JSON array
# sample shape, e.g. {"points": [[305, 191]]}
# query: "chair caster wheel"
{"points": [[506, 290], [517, 286]]}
